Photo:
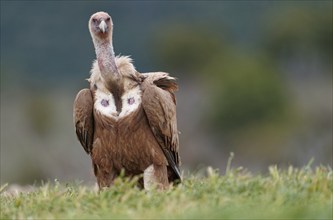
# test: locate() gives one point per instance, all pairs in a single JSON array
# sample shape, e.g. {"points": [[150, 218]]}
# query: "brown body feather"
{"points": [[126, 144], [147, 136]]}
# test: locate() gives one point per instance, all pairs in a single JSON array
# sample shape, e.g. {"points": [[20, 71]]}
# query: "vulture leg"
{"points": [[156, 176], [104, 177], [103, 167]]}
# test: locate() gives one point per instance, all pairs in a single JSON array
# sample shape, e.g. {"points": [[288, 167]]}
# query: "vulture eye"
{"points": [[108, 19], [94, 20]]}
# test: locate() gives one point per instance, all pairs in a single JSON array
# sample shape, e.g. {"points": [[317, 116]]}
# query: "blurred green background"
{"points": [[255, 79]]}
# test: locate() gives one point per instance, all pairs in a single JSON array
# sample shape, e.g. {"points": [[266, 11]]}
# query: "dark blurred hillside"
{"points": [[255, 79]]}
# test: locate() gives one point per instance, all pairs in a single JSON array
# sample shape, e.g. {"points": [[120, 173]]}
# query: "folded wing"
{"points": [[159, 104], [83, 118]]}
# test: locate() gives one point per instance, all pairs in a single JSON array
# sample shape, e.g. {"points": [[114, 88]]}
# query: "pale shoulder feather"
{"points": [[153, 76], [95, 74], [162, 80], [125, 65]]}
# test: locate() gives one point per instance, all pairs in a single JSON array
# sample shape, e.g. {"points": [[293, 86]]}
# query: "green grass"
{"points": [[292, 193]]}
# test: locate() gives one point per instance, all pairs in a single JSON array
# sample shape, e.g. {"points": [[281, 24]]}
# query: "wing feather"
{"points": [[83, 119], [159, 104]]}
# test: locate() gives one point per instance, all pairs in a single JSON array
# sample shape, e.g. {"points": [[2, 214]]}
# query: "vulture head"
{"points": [[100, 26]]}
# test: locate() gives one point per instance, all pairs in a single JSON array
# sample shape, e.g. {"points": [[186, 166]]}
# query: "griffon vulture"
{"points": [[127, 120]]}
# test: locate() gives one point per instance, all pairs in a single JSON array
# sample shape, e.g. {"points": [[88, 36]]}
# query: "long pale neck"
{"points": [[109, 71], [106, 60]]}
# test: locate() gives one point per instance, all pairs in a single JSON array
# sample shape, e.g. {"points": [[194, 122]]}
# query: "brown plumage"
{"points": [[127, 120]]}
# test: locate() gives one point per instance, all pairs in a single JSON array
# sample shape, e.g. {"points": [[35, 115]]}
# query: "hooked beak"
{"points": [[102, 26]]}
